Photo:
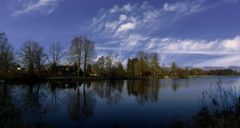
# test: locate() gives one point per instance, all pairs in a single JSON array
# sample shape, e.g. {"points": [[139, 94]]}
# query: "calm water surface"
{"points": [[118, 103]]}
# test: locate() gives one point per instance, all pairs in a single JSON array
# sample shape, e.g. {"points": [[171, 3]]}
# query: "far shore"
{"points": [[129, 78], [93, 78]]}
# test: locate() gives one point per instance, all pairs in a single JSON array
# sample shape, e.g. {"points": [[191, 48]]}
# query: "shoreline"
{"points": [[74, 78], [133, 78]]}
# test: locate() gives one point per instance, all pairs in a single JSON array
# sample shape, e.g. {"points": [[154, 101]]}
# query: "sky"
{"points": [[189, 32]]}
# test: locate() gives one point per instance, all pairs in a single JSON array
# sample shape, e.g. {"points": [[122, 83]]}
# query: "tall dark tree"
{"points": [[120, 72], [98, 67], [141, 67], [89, 53], [32, 56], [6, 54], [55, 54], [174, 69], [154, 64], [76, 50], [82, 52], [104, 66], [130, 68], [108, 64]]}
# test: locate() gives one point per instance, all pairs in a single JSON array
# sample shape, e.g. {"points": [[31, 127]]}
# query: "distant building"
{"points": [[67, 70]]}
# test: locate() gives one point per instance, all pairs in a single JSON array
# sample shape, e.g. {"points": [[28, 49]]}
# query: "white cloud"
{"points": [[187, 52], [125, 8], [224, 61], [126, 27], [189, 7], [141, 19], [114, 9], [175, 7], [133, 27], [168, 45], [150, 15], [122, 17], [128, 7], [29, 6], [111, 25], [185, 7], [133, 41], [232, 44]]}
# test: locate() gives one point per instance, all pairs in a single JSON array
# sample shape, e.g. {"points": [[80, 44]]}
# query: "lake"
{"points": [[116, 103]]}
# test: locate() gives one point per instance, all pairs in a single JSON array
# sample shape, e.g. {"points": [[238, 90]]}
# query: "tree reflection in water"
{"points": [[31, 102], [144, 90], [80, 102], [10, 115], [54, 90], [46, 103], [109, 90]]}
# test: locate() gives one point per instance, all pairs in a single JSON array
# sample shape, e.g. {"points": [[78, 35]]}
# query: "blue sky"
{"points": [[189, 32]]}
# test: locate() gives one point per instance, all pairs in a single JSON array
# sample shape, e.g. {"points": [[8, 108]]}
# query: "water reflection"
{"points": [[110, 91], [10, 116], [37, 101], [80, 102], [145, 91], [31, 102], [175, 84], [90, 104]]}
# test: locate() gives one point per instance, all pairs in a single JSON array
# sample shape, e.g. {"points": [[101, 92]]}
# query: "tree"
{"points": [[142, 65], [32, 56], [120, 70], [154, 66], [6, 54], [165, 71], [98, 67], [82, 51], [141, 55], [89, 52], [76, 50], [174, 69], [89, 69], [108, 64], [104, 66], [130, 68], [55, 54], [40, 57]]}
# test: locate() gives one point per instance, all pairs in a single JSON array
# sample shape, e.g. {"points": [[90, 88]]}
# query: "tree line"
{"points": [[81, 61]]}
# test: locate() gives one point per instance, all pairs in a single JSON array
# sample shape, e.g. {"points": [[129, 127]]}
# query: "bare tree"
{"points": [[82, 51], [89, 53], [40, 57], [32, 56], [55, 53], [6, 54], [76, 50]]}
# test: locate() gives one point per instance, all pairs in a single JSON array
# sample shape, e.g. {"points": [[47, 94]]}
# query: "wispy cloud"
{"points": [[168, 45], [187, 52], [134, 27], [126, 27], [185, 7], [133, 24], [29, 6]]}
